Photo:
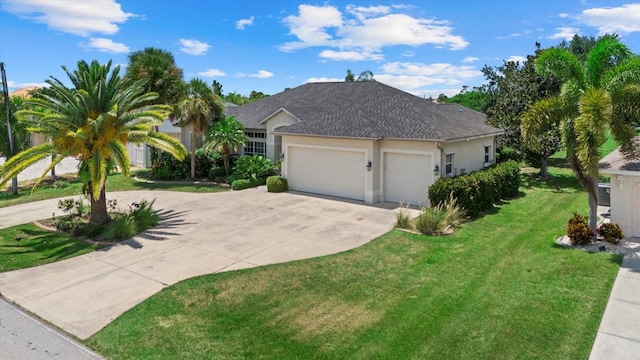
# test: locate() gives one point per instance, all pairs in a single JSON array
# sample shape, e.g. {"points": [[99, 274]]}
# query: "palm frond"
{"points": [[22, 160], [591, 125], [606, 54], [561, 63], [540, 117], [167, 143], [120, 156]]}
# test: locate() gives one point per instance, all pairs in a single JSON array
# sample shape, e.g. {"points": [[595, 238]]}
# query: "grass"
{"points": [[69, 185], [26, 245], [498, 287]]}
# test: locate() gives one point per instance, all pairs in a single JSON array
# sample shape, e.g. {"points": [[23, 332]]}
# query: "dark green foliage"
{"points": [[216, 171], [611, 232], [475, 99], [143, 215], [505, 154], [252, 168], [277, 184], [578, 230], [169, 168], [478, 191], [241, 184]]}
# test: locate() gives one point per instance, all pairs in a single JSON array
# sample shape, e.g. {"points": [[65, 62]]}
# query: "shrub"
{"points": [[143, 215], [120, 228], [242, 184], [578, 230], [478, 191], [216, 171], [432, 221], [452, 212], [169, 168], [403, 219], [252, 168], [507, 153], [277, 184], [611, 232]]}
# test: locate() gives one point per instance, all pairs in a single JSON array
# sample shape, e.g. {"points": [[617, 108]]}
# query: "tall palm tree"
{"points": [[159, 68], [598, 94], [225, 136], [92, 121], [198, 110]]}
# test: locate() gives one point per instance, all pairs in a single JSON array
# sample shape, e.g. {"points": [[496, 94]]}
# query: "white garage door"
{"points": [[635, 211], [407, 177], [328, 172]]}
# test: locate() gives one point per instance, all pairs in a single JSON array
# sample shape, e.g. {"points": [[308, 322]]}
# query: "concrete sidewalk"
{"points": [[618, 336], [199, 234]]}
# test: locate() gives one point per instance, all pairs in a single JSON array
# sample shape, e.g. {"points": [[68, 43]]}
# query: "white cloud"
{"points": [[436, 70], [516, 58], [261, 74], [470, 59], [526, 32], [564, 33], [351, 55], [322, 79], [365, 30], [563, 15], [194, 47], [105, 45], [622, 19], [12, 85], [408, 54], [242, 23], [212, 73], [81, 18]]}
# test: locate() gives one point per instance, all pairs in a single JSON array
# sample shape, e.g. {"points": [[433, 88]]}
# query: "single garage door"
{"points": [[407, 177], [328, 172], [635, 211]]}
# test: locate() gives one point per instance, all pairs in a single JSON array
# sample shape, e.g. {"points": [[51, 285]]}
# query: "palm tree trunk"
{"points": [[193, 154], [99, 214], [593, 204]]}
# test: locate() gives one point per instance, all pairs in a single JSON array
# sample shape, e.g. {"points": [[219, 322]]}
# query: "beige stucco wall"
{"points": [[274, 141], [625, 202], [468, 154]]}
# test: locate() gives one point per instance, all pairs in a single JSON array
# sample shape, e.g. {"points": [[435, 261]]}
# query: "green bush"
{"points": [[121, 228], [217, 171], [432, 221], [478, 191], [578, 230], [241, 184], [611, 232], [252, 168], [143, 215], [507, 153], [277, 184], [169, 168]]}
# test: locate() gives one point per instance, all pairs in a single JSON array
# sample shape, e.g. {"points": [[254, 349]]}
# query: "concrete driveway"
{"points": [[199, 234]]}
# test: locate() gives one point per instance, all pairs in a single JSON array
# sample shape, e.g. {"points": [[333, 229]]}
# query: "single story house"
{"points": [[625, 190], [366, 140]]}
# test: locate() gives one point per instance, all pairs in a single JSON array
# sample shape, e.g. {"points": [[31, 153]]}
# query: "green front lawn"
{"points": [[498, 288], [26, 245], [69, 185]]}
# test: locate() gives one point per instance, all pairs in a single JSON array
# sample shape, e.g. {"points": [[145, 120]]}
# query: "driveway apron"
{"points": [[199, 234]]}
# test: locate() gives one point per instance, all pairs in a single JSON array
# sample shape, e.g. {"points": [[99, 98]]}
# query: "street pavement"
{"points": [[24, 337]]}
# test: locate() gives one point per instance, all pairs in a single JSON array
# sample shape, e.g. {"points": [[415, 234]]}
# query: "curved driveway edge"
{"points": [[201, 233]]}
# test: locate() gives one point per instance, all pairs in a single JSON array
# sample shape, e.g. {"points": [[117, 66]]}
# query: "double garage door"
{"points": [[343, 173], [339, 173]]}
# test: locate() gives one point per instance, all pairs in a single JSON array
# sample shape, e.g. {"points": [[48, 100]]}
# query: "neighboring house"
{"points": [[366, 140], [625, 190], [35, 139]]}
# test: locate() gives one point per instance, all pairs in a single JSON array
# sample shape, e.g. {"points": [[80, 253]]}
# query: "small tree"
{"points": [[225, 136]]}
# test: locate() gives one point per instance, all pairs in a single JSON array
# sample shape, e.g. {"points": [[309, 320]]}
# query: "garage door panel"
{"points": [[406, 177], [330, 172]]}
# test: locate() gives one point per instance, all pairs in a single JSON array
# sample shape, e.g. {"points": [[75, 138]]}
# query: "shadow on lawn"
{"points": [[560, 183], [613, 257], [47, 244]]}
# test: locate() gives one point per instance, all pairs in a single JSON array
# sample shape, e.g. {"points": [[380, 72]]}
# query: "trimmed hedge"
{"points": [[277, 184], [241, 184], [478, 191]]}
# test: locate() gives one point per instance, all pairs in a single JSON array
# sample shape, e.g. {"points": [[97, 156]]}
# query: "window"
{"points": [[448, 165], [255, 135], [487, 154], [256, 148]]}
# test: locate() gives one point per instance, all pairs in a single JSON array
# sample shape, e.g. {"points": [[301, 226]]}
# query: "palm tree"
{"points": [[198, 110], [599, 94], [92, 121], [158, 67], [225, 136]]}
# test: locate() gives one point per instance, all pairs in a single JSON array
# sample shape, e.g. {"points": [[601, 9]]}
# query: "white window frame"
{"points": [[449, 164], [488, 158]]}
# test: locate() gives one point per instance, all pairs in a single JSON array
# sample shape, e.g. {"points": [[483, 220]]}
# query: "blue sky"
{"points": [[423, 47]]}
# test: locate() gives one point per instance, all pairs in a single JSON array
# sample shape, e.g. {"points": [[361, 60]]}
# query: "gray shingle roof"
{"points": [[364, 109], [617, 161]]}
